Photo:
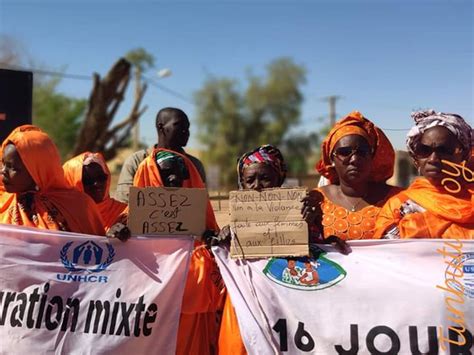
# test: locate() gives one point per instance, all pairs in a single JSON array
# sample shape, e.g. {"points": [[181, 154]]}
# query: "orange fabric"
{"points": [[110, 209], [2, 189], [149, 175], [345, 131], [230, 340], [356, 123], [54, 205], [204, 290], [348, 225], [446, 216]]}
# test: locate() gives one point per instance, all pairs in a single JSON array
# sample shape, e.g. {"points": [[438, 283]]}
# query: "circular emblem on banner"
{"points": [[306, 274], [463, 269], [88, 256]]}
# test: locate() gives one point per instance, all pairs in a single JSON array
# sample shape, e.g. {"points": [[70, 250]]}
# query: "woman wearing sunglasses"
{"points": [[431, 207], [357, 159]]}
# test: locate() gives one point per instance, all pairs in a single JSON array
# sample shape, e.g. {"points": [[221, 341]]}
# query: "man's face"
{"points": [[175, 131], [291, 264]]}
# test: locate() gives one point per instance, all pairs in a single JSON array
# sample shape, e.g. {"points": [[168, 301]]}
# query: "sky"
{"points": [[384, 58]]}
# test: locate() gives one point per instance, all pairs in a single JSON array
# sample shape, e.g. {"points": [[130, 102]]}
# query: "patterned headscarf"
{"points": [[355, 123], [265, 154], [163, 155], [425, 120]]}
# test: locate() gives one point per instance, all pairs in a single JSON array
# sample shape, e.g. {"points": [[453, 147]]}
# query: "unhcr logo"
{"points": [[84, 261]]}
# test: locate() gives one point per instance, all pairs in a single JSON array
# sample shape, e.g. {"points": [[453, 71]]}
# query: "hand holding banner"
{"points": [[67, 293]]}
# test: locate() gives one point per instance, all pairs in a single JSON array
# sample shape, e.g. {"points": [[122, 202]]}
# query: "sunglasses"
{"points": [[347, 152], [424, 151]]}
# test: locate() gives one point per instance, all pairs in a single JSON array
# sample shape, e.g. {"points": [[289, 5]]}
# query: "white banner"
{"points": [[64, 293], [386, 297]]}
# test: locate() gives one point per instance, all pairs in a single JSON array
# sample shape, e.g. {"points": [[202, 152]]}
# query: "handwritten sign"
{"points": [[165, 211], [268, 223]]}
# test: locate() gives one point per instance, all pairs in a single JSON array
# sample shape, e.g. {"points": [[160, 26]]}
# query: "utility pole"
{"points": [[332, 108], [136, 128]]}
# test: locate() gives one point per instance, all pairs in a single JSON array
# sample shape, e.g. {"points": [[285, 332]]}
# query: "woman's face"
{"points": [[15, 176], [94, 181], [436, 144], [260, 176], [352, 158]]}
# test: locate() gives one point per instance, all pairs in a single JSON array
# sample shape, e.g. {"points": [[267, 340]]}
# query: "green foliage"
{"points": [[298, 151], [140, 58], [57, 114], [232, 121]]}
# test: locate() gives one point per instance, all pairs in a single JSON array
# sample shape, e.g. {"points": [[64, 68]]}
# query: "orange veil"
{"points": [[356, 123], [56, 205], [110, 209]]}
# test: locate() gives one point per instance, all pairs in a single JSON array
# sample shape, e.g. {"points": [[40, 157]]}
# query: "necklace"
{"points": [[354, 206]]}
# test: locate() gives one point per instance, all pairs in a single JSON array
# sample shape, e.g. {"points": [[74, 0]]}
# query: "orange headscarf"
{"points": [[110, 209], [149, 175], [56, 206], [355, 123]]}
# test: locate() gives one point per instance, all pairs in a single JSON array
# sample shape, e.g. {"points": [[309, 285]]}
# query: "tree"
{"points": [[231, 121], [58, 115], [299, 152]]}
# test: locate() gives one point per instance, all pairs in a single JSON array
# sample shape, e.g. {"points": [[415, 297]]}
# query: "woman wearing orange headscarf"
{"points": [[204, 290], [37, 194], [88, 172], [357, 159], [432, 206]]}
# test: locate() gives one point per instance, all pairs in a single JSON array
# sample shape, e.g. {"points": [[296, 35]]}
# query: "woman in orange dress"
{"points": [[36, 193], [357, 159], [204, 290], [88, 172], [439, 204]]}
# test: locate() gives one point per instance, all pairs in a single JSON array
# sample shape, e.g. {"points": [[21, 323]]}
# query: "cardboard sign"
{"points": [[268, 223], [165, 211]]}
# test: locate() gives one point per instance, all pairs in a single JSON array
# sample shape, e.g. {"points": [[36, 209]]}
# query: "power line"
{"points": [[89, 77], [48, 72], [168, 90]]}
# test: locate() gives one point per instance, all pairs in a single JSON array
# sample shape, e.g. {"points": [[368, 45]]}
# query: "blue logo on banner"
{"points": [[87, 256]]}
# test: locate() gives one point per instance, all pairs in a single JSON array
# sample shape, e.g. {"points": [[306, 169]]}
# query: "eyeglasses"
{"points": [[344, 153], [424, 151]]}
